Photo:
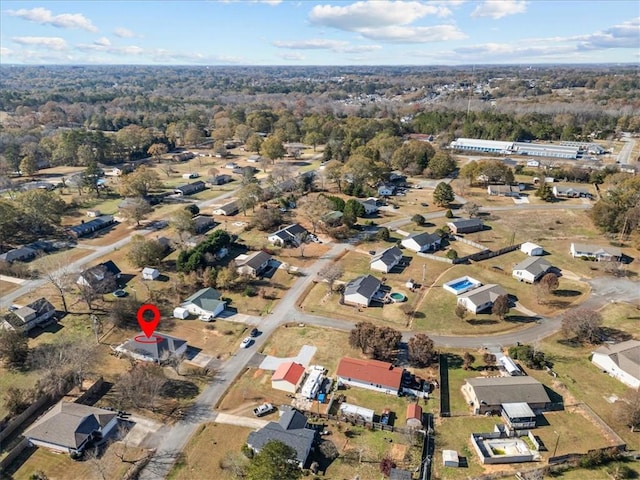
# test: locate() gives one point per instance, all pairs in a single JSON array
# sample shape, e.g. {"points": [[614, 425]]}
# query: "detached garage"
{"points": [[149, 273], [531, 249]]}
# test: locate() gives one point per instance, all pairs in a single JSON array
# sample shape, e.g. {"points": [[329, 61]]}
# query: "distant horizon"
{"points": [[319, 32]]}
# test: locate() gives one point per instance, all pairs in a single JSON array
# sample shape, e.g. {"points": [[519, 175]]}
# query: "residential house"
{"points": [[503, 190], [621, 361], [386, 190], [228, 209], [205, 303], [87, 228], [254, 159], [158, 349], [231, 165], [361, 290], [190, 188], [21, 254], [488, 394], [398, 178], [466, 226], [422, 242], [481, 298], [370, 205], [183, 157], [253, 264], [414, 415], [70, 427], [219, 179], [149, 273], [25, 318], [245, 171], [291, 430], [531, 249], [289, 235], [531, 269], [595, 252], [102, 278], [570, 192], [203, 223], [288, 377], [370, 374], [333, 218], [386, 260]]}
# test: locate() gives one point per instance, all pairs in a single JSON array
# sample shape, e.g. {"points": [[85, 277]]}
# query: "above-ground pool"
{"points": [[398, 297], [461, 285]]}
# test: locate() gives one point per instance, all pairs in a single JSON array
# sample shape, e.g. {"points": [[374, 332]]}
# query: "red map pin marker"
{"points": [[148, 327]]}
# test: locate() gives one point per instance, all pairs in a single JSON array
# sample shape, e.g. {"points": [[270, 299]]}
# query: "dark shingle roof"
{"points": [[365, 285], [166, 346], [499, 390], [533, 265], [424, 238], [254, 260], [390, 256]]}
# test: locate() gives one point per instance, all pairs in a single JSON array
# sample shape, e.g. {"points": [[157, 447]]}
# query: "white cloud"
{"points": [[382, 13], [624, 35], [103, 42], [45, 17], [292, 56], [399, 34], [499, 8], [338, 46], [5, 52], [111, 49], [124, 33], [49, 43]]}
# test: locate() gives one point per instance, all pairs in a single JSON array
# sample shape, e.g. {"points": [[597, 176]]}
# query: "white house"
{"points": [[289, 235], [288, 377], [157, 351], [253, 264], [386, 190], [531, 249], [621, 361], [149, 273], [386, 260], [531, 269], [422, 242], [30, 316], [370, 374], [370, 205], [481, 298], [361, 290], [205, 303], [595, 252], [68, 427]]}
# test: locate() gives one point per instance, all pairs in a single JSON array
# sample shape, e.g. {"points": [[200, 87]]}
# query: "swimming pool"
{"points": [[461, 285]]}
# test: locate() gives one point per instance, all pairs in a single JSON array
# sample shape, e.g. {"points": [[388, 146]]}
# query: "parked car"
{"points": [[264, 409], [254, 332], [246, 342]]}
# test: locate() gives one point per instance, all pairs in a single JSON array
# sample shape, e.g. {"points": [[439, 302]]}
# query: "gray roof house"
{"points": [[18, 254], [370, 205], [206, 303], [481, 298], [571, 192], [87, 228], [422, 242], [621, 361], [386, 260], [25, 318], [230, 208], [489, 393], [190, 188], [288, 235], [154, 351], [253, 264], [361, 290], [101, 277], [595, 252], [203, 223], [531, 269], [67, 427], [466, 226], [290, 430]]}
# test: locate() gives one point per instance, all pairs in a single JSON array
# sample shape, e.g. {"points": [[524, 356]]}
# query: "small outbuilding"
{"points": [[450, 458], [181, 313], [288, 377], [531, 249], [414, 415], [356, 412], [149, 273]]}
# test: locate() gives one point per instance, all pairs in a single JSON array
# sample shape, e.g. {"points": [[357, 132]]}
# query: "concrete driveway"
{"points": [[240, 421], [304, 358], [141, 429]]}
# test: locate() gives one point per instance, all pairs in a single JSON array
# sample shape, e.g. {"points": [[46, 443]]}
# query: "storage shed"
{"points": [[181, 313], [450, 458], [531, 249], [149, 273], [414, 415]]}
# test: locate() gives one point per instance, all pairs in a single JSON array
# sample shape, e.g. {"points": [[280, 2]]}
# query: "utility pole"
{"points": [[96, 326], [555, 449]]}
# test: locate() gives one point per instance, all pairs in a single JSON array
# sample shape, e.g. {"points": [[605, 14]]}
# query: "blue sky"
{"points": [[273, 32]]}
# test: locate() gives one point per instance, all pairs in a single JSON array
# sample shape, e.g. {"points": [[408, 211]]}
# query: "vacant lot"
{"points": [[8, 287], [208, 449], [59, 466]]}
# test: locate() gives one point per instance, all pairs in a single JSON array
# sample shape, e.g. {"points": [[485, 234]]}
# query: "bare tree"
{"points": [[140, 387], [461, 311], [629, 410], [57, 270], [330, 273], [583, 324], [314, 208], [547, 285], [500, 306]]}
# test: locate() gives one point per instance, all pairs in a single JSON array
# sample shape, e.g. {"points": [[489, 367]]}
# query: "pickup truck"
{"points": [[263, 409]]}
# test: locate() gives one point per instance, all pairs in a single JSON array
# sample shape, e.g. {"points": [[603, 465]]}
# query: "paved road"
{"points": [[624, 155]]}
